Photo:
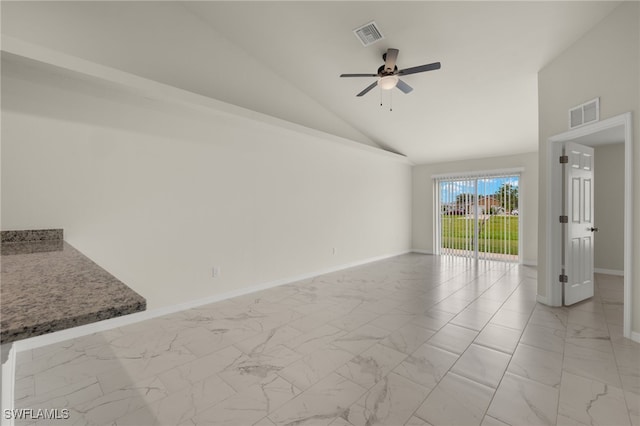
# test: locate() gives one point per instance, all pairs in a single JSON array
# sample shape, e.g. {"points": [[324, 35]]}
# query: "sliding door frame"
{"points": [[480, 174]]}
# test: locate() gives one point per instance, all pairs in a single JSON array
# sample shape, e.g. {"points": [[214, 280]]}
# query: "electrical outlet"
{"points": [[215, 271]]}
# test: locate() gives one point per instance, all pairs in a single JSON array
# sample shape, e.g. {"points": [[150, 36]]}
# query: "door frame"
{"points": [[554, 210], [478, 174]]}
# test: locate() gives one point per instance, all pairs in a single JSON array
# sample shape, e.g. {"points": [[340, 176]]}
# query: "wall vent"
{"points": [[368, 33], [586, 113]]}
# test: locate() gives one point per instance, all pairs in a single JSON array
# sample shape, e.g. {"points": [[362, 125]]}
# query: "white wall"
{"points": [[609, 207], [605, 63], [422, 218], [157, 194], [162, 41]]}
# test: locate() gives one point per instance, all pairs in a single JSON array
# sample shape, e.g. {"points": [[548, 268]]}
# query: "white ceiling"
{"points": [[284, 59]]}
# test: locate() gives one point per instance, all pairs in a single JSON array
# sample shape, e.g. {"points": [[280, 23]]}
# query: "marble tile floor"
{"points": [[411, 340]]}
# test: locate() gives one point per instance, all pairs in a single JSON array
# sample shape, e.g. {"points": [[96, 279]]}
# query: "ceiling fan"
{"points": [[388, 74]]}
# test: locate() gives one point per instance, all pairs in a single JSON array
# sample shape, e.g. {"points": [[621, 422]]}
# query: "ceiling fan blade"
{"points": [[421, 68], [358, 75], [369, 87], [390, 59], [404, 87]]}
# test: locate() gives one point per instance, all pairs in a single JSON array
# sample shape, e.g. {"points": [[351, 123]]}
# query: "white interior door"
{"points": [[579, 231]]}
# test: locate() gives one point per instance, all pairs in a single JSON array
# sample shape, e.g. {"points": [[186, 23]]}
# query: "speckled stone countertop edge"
{"points": [[54, 325], [38, 243], [29, 247], [19, 236]]}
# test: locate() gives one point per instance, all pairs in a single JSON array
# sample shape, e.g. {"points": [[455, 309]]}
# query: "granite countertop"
{"points": [[47, 285]]}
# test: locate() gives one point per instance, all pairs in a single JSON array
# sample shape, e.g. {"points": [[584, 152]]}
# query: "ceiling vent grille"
{"points": [[586, 113], [368, 33]]}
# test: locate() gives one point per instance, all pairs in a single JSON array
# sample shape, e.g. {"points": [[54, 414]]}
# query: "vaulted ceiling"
{"points": [[284, 59]]}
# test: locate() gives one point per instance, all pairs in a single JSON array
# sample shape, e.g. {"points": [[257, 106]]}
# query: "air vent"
{"points": [[586, 113], [368, 33]]}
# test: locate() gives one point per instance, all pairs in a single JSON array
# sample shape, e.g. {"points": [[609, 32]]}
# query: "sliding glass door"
{"points": [[478, 216]]}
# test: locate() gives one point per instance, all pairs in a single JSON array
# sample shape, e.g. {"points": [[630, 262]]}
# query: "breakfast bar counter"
{"points": [[47, 285]]}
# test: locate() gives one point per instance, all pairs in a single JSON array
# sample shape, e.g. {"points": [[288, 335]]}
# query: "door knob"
{"points": [[592, 229]]}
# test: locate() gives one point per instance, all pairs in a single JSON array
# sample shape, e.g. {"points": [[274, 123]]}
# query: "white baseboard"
{"points": [[542, 299], [529, 262], [84, 330], [635, 336], [545, 301], [617, 272], [421, 251]]}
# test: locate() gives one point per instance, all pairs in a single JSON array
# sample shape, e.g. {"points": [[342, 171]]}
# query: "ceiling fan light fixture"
{"points": [[388, 82], [388, 74]]}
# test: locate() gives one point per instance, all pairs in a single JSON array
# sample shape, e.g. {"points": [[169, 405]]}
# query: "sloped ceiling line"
{"points": [[284, 59]]}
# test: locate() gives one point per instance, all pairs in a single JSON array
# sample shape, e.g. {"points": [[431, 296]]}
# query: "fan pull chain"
{"points": [[390, 99]]}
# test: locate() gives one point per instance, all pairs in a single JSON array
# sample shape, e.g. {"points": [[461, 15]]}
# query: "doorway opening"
{"points": [[478, 215], [614, 130]]}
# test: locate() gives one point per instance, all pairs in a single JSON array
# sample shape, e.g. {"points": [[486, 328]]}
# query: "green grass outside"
{"points": [[498, 234]]}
